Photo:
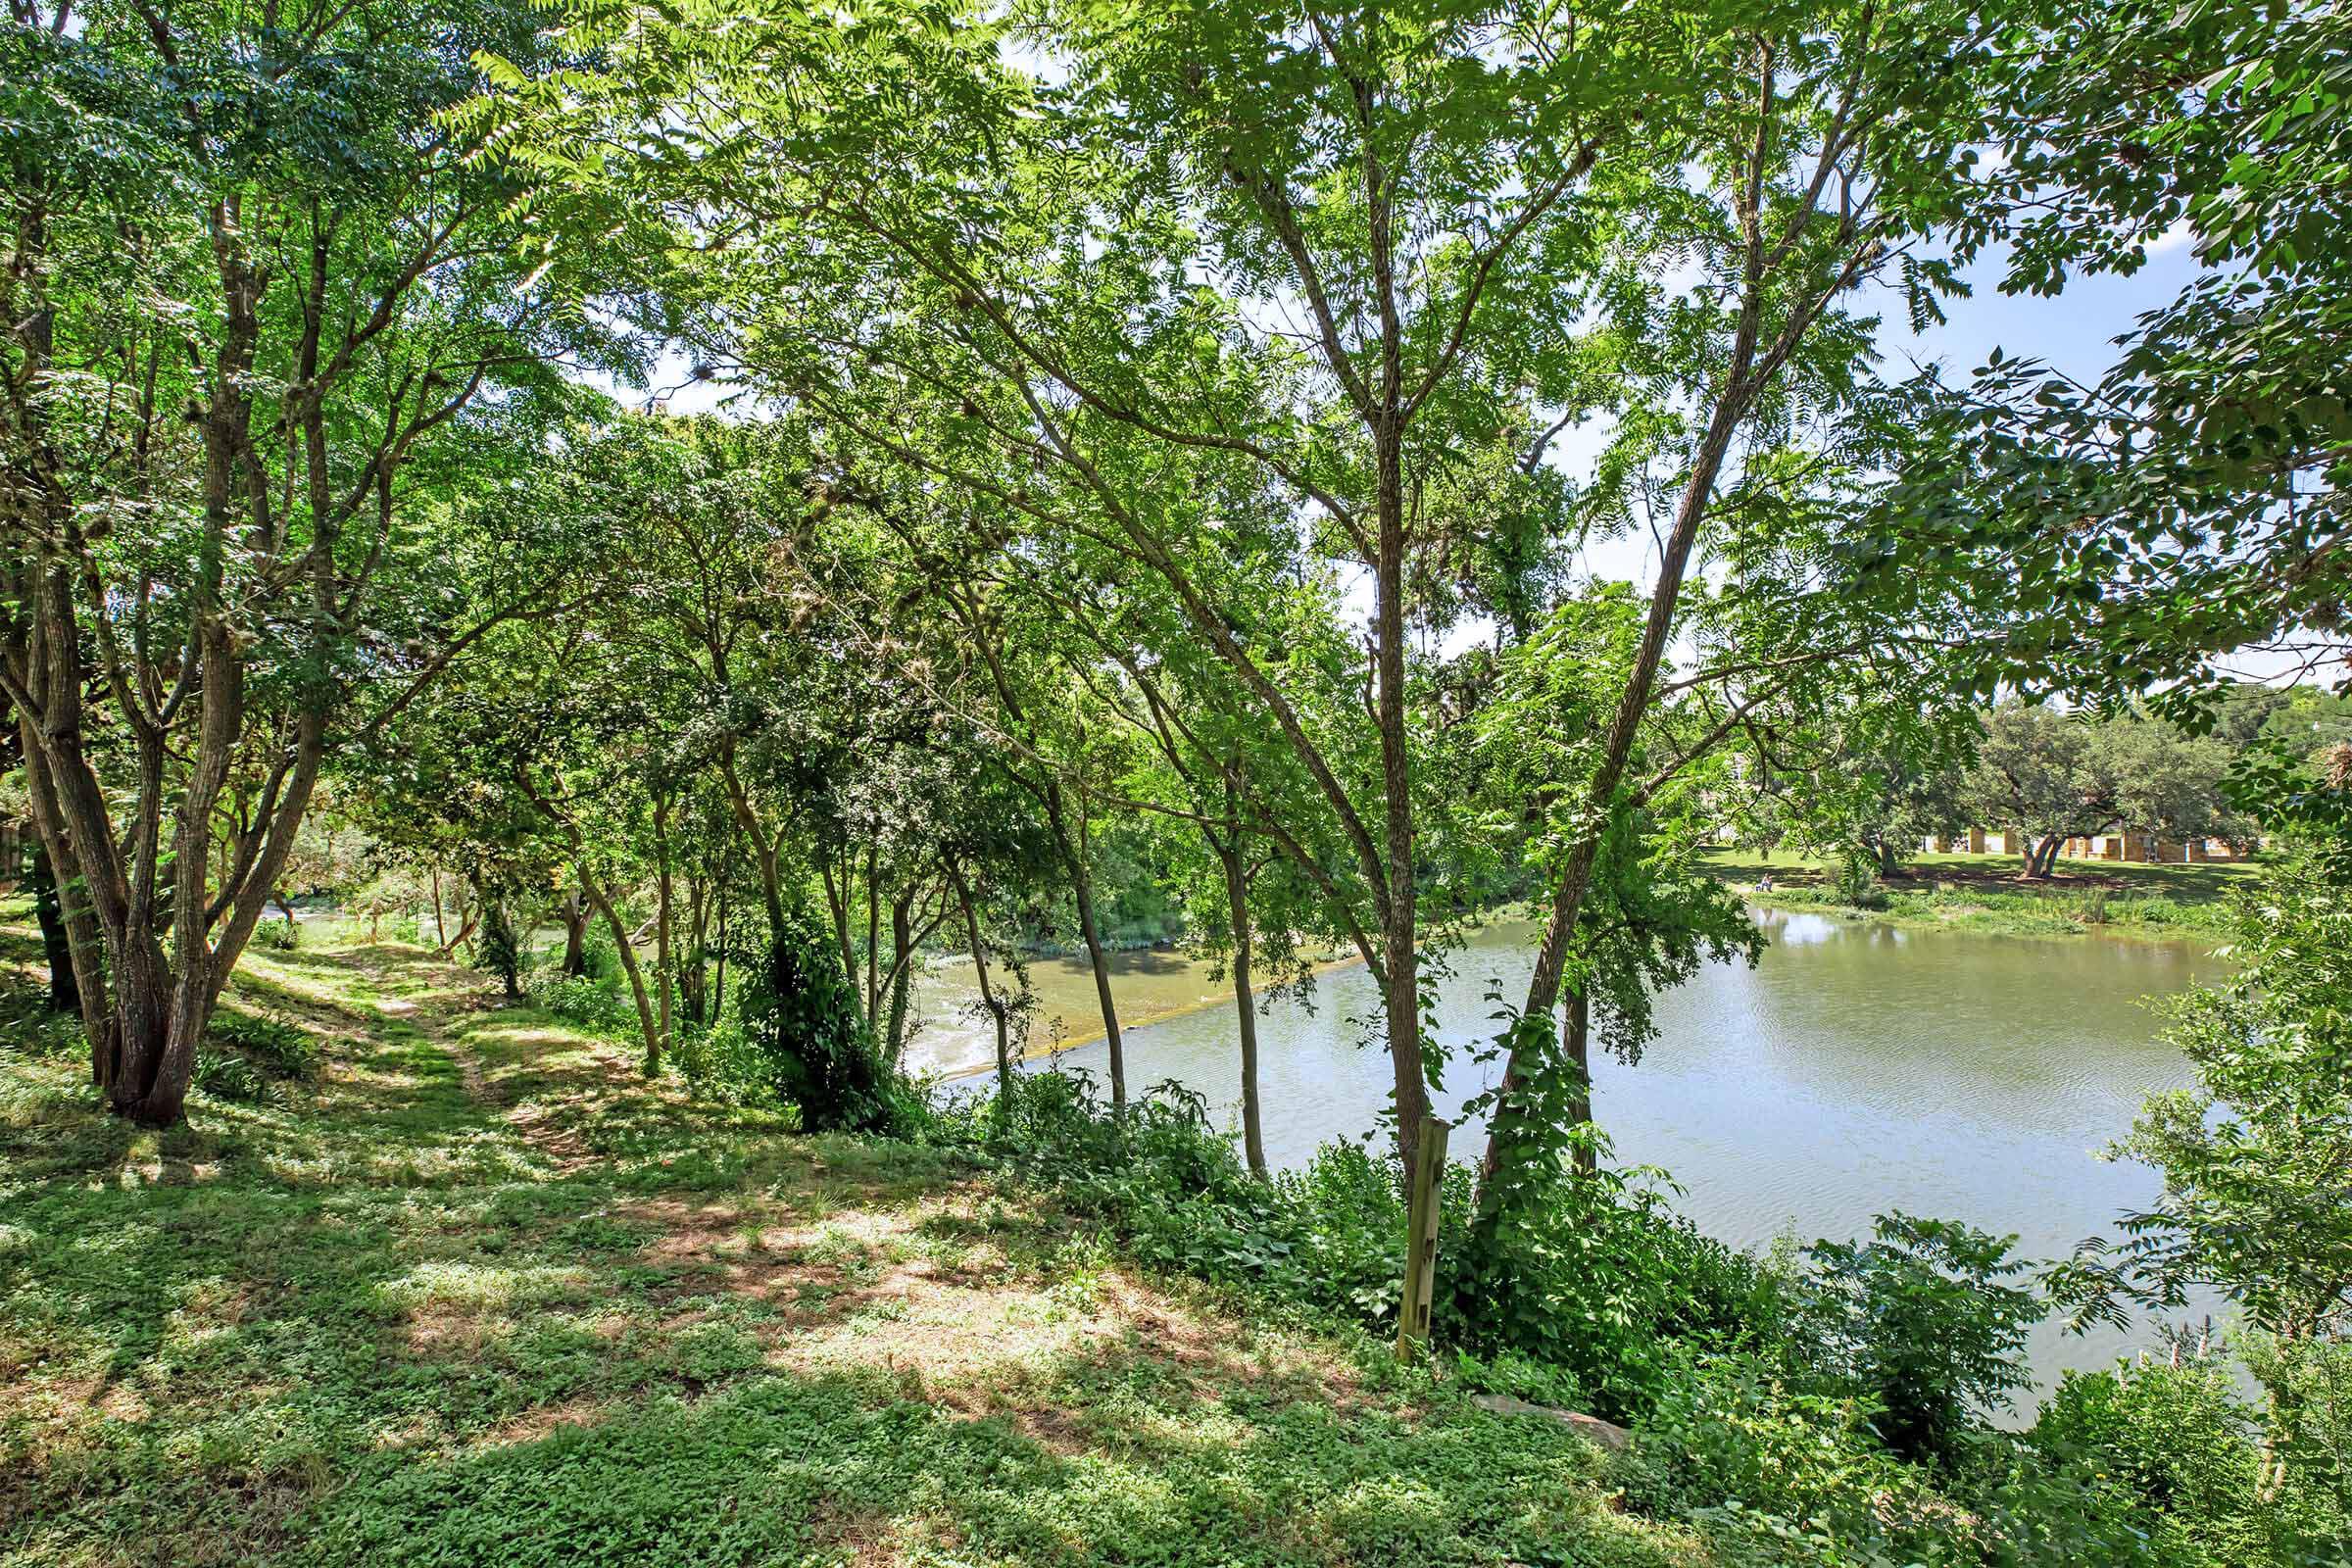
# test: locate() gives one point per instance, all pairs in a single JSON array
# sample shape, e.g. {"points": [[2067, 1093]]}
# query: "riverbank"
{"points": [[1981, 893], [470, 1290], [476, 1293]]}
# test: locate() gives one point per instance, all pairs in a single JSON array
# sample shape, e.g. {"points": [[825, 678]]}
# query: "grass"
{"points": [[477, 1294], [1982, 893]]}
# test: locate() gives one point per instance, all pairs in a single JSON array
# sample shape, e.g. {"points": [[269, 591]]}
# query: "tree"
{"points": [[261, 314], [1863, 777], [1356, 257], [2190, 500], [2056, 775], [1651, 919], [2257, 1157]]}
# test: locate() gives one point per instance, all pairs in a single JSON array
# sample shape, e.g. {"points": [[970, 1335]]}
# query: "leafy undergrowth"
{"points": [[479, 1294]]}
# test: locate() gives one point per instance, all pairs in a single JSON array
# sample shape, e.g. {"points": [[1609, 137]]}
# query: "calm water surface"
{"points": [[1858, 1068]]}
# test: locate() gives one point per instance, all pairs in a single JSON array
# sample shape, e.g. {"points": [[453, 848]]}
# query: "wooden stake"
{"points": [[1421, 1240]]}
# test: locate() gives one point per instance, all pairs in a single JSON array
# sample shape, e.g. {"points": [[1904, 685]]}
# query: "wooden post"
{"points": [[1421, 1239]]}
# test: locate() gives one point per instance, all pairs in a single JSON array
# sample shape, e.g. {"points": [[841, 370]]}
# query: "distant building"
{"points": [[2133, 848]]}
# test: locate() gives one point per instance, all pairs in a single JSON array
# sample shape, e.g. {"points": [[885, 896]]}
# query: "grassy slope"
{"points": [[1982, 893], [482, 1296]]}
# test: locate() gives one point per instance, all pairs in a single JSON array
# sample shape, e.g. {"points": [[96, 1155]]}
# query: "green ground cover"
{"points": [[1982, 893], [479, 1294]]}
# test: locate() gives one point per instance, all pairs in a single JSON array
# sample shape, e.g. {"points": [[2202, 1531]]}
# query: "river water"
{"points": [[1859, 1067]]}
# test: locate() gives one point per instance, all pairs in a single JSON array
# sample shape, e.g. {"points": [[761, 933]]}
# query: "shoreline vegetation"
{"points": [[547, 1311], [541, 1311], [1982, 894], [1976, 894]]}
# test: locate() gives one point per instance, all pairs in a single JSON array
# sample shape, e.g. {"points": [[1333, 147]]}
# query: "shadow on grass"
{"points": [[1117, 1458], [487, 1298]]}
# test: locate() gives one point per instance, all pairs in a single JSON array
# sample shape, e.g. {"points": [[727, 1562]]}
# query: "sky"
{"points": [[2074, 332]]}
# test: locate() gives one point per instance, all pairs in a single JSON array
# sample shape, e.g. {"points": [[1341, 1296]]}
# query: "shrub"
{"points": [[591, 1003], [225, 1075], [801, 1017], [1923, 1321], [277, 936], [720, 1064], [272, 1043], [1597, 1295], [2176, 1441], [1858, 886], [1787, 1473], [1602, 1279]]}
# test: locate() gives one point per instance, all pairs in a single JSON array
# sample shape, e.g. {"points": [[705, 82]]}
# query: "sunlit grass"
{"points": [[480, 1294]]}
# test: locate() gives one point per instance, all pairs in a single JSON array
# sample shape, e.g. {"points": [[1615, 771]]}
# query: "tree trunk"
{"points": [[1400, 955], [1740, 387], [628, 965], [2042, 856], [1888, 865], [902, 940], [997, 1009], [1082, 892], [1576, 1052], [718, 977], [1237, 898], [85, 940], [57, 947], [694, 977], [837, 905], [662, 952], [499, 951], [576, 936]]}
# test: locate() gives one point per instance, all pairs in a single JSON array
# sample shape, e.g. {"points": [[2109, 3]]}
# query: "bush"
{"points": [[225, 1075], [2179, 1442], [277, 936], [272, 1043], [1597, 1297], [720, 1064], [803, 1022], [1784, 1473], [1858, 886], [1603, 1282], [590, 1003], [1921, 1321]]}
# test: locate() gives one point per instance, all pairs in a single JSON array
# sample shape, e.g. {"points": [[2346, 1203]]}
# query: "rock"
{"points": [[1607, 1434]]}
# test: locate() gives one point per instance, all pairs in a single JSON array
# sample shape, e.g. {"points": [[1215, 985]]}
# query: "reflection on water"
{"points": [[1858, 1068]]}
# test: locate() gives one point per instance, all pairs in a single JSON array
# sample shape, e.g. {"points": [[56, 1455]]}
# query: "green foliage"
{"points": [[2253, 1156], [226, 1075], [1597, 1295], [2176, 1441], [496, 948], [1924, 1322], [249, 1058], [1777, 1472], [592, 1003], [1602, 1280], [2059, 775], [802, 1019], [1858, 886], [272, 1041], [29, 1029], [389, 1330], [277, 936], [2201, 476]]}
